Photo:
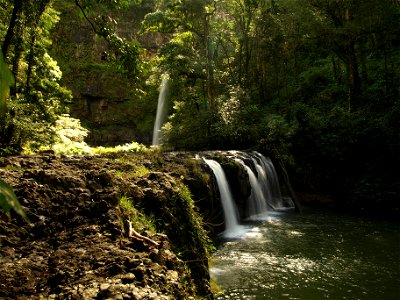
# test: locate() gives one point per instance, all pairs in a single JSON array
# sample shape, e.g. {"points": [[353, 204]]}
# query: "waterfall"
{"points": [[161, 112], [257, 202], [265, 188], [232, 227], [271, 182], [265, 193], [263, 181]]}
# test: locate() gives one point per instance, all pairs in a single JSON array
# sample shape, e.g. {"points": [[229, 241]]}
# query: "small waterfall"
{"points": [[161, 112], [263, 181], [270, 181], [266, 194], [257, 203], [232, 227]]}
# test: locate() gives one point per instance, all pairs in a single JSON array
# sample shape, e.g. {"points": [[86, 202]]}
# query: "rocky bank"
{"points": [[84, 243]]}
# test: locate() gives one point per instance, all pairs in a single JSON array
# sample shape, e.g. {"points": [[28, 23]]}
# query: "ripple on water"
{"points": [[309, 259]]}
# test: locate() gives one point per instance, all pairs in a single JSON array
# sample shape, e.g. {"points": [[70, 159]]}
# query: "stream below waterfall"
{"points": [[316, 255]]}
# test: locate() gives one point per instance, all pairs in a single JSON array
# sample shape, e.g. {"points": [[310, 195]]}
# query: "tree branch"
{"points": [[86, 17]]}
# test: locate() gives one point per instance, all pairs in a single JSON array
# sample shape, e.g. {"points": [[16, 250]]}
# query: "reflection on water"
{"points": [[311, 256]]}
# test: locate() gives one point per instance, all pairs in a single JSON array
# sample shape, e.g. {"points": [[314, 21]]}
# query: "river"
{"points": [[316, 255]]}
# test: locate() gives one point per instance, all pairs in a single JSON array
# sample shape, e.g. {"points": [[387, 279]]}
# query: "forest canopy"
{"points": [[313, 83]]}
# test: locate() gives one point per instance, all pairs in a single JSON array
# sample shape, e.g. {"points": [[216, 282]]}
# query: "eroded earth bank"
{"points": [[117, 226]]}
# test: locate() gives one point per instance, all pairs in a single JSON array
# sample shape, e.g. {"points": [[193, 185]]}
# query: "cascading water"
{"points": [[263, 181], [257, 203], [271, 183], [161, 112], [265, 193], [232, 227]]}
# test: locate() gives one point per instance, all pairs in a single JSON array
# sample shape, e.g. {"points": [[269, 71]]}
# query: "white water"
{"points": [[269, 177], [257, 203], [263, 181], [232, 227], [265, 191], [265, 174], [161, 112]]}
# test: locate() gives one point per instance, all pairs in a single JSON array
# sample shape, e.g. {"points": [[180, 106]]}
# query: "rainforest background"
{"points": [[314, 84]]}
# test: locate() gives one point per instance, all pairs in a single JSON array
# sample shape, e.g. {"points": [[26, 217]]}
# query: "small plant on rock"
{"points": [[133, 219]]}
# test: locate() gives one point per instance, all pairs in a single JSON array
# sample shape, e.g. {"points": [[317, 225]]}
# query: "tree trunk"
{"points": [[363, 59], [18, 51], [353, 75], [31, 56], [10, 31], [337, 72], [6, 130], [210, 70]]}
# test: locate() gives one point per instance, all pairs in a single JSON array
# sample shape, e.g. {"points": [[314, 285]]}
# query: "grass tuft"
{"points": [[140, 221]]}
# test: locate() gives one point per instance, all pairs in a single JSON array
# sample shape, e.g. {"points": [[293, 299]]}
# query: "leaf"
{"points": [[8, 200]]}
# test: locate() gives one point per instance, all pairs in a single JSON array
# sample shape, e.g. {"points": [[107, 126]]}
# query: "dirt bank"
{"points": [[81, 244]]}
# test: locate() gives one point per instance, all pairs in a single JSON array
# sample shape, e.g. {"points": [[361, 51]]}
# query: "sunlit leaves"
{"points": [[158, 21], [37, 96], [180, 56]]}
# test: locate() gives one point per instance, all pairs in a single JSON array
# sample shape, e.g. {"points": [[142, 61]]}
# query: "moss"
{"points": [[166, 203], [13, 168], [191, 239], [141, 171], [215, 287], [139, 221]]}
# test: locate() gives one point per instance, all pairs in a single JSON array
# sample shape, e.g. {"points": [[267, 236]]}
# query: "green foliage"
{"points": [[70, 137], [30, 131], [158, 21], [77, 148], [312, 83], [129, 147], [6, 79], [69, 130], [197, 237], [188, 129], [180, 56], [138, 220], [125, 51], [108, 4], [8, 201], [141, 171], [344, 150], [37, 97]]}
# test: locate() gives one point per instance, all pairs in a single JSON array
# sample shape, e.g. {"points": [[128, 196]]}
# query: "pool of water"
{"points": [[316, 255]]}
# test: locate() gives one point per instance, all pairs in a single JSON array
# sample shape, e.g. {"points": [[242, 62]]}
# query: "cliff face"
{"points": [[133, 224], [104, 227], [112, 106]]}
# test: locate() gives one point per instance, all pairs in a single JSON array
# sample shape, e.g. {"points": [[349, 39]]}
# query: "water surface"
{"points": [[316, 255]]}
